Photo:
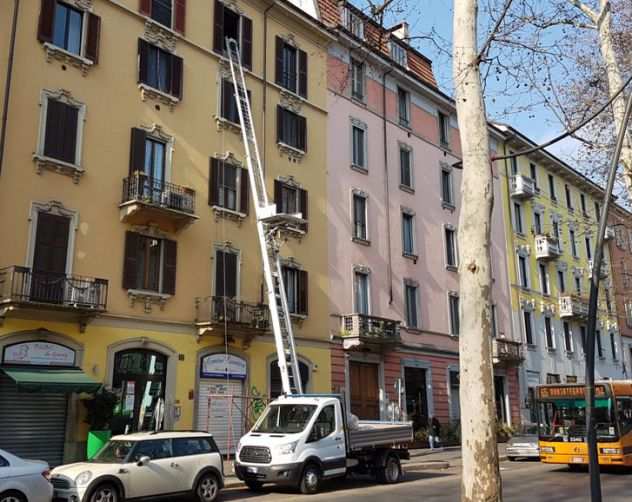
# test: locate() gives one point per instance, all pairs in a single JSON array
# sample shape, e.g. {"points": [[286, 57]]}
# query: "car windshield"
{"points": [[565, 420], [285, 418], [114, 452]]}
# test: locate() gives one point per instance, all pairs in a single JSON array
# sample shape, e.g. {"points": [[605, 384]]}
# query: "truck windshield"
{"points": [[114, 452], [565, 420], [286, 418]]}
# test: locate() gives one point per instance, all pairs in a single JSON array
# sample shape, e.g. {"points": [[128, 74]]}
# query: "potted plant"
{"points": [[100, 410]]}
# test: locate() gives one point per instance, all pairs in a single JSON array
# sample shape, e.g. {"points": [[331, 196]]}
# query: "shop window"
{"points": [[276, 385], [416, 396]]}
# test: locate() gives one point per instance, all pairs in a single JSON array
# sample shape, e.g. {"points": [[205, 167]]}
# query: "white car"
{"points": [[23, 480], [144, 465]]}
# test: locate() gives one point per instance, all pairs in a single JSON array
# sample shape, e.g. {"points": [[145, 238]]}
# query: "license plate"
{"points": [[578, 460], [252, 470]]}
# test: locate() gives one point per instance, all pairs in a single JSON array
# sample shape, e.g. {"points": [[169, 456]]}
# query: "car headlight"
{"points": [[610, 451], [286, 449], [84, 478], [547, 449]]}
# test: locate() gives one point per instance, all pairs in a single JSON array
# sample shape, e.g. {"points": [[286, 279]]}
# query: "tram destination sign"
{"points": [[568, 391]]}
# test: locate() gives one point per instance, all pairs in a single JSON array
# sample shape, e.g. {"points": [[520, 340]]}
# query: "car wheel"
{"points": [[253, 485], [310, 481], [207, 487], [12, 496], [392, 471], [511, 459], [106, 492]]}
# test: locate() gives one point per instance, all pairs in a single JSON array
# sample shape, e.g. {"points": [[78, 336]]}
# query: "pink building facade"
{"points": [[393, 208]]}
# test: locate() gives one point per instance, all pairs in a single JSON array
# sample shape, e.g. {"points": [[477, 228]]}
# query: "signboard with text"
{"points": [[38, 353], [568, 391], [223, 366]]}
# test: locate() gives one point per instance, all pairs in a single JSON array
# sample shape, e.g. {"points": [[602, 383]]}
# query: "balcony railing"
{"points": [[222, 310], [546, 247], [370, 328], [572, 306], [507, 352], [22, 286], [158, 193], [522, 187]]}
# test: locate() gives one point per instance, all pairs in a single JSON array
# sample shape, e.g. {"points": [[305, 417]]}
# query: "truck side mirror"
{"points": [[144, 460]]}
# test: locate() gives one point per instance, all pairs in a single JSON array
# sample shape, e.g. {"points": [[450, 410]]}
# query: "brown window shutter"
{"points": [[169, 267], [278, 67], [46, 21], [278, 185], [180, 10], [302, 73], [230, 271], [227, 92], [137, 151], [144, 7], [220, 262], [143, 50], [303, 287], [246, 42], [69, 132], [130, 262], [301, 125], [245, 193], [280, 112], [93, 38], [176, 76], [218, 32], [302, 194], [213, 186], [53, 136]]}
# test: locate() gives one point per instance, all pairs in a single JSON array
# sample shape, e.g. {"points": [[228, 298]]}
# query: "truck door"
{"points": [[327, 437]]}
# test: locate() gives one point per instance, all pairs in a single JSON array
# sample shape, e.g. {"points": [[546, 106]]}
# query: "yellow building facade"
{"points": [[551, 215], [129, 248]]}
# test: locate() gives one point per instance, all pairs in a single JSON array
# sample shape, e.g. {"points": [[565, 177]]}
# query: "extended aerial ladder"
{"points": [[269, 226]]}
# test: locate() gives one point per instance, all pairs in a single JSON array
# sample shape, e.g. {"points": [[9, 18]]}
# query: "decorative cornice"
{"points": [[150, 231], [363, 269], [527, 304], [150, 93], [233, 5], [147, 298], [157, 131], [223, 124], [291, 101], [84, 4], [160, 36], [227, 214], [289, 181], [58, 54], [229, 158], [49, 164], [293, 154]]}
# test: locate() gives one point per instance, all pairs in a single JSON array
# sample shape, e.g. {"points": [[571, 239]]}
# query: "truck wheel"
{"points": [[391, 472], [310, 482], [253, 486]]}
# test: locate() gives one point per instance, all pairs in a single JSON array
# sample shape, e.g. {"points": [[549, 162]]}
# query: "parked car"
{"points": [[524, 444], [144, 465], [23, 480]]}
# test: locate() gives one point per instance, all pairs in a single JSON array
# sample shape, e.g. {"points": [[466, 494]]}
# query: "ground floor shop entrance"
{"points": [[365, 390], [416, 396]]}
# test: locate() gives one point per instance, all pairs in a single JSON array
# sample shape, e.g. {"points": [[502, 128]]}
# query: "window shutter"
{"points": [[130, 262], [302, 194], [46, 21], [53, 136], [279, 124], [246, 42], [137, 151], [144, 7], [143, 50], [218, 33], [302, 73], [93, 38], [279, 61], [180, 9], [227, 91], [278, 185], [302, 292], [213, 183], [169, 267], [176, 76], [220, 262], [245, 195], [301, 132], [230, 271], [69, 133]]}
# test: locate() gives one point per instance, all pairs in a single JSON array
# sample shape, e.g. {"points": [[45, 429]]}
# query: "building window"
{"points": [[358, 146], [582, 203], [523, 272], [561, 281], [514, 164], [494, 325], [291, 129], [399, 54], [544, 279], [291, 199], [291, 67], [537, 223], [548, 332], [518, 218], [571, 237], [353, 22], [453, 306], [227, 278], [588, 248], [276, 384], [599, 346], [628, 314], [160, 69], [597, 211], [534, 175], [295, 283], [451, 258], [444, 129], [361, 288], [62, 130], [161, 12], [555, 225], [528, 327], [568, 337], [582, 335], [606, 293], [230, 25], [228, 186], [357, 80], [552, 378], [410, 292], [613, 346], [405, 167], [578, 285], [360, 217], [447, 192], [569, 198], [228, 102], [403, 106], [150, 264], [68, 28], [408, 234], [552, 188]]}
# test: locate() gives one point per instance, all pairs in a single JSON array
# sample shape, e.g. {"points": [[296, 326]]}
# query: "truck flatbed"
{"points": [[369, 434]]}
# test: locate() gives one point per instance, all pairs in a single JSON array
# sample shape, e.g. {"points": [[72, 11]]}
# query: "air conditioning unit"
{"points": [[85, 297]]}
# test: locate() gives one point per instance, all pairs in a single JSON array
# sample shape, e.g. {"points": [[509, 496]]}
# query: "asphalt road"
{"points": [[522, 481]]}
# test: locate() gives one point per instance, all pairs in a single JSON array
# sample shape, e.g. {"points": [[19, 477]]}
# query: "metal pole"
{"points": [[591, 433]]}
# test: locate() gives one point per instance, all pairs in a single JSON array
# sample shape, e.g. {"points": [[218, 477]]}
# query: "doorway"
{"points": [[416, 396], [499, 394], [365, 390]]}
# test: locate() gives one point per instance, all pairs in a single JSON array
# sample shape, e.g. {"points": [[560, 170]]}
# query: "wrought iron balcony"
{"points": [[147, 199], [547, 247], [360, 329], [22, 290], [522, 187], [216, 312], [507, 353], [573, 307]]}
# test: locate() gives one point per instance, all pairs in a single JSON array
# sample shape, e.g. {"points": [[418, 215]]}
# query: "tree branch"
{"points": [[492, 34]]}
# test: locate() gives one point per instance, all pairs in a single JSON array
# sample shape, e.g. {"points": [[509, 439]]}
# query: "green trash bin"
{"points": [[96, 440]]}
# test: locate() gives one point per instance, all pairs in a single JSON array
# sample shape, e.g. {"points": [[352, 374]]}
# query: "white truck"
{"points": [[301, 440]]}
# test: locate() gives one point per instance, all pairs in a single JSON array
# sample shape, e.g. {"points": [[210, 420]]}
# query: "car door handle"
{"points": [[174, 465], [338, 439], [123, 471]]}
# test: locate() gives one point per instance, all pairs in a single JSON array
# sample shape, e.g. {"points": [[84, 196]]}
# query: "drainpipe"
{"points": [[386, 188], [265, 79], [7, 85]]}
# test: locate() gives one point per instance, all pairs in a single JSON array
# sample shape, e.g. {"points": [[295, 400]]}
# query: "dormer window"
{"points": [[399, 54], [353, 22]]}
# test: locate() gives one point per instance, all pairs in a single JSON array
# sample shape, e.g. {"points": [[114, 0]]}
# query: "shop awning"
{"points": [[59, 380]]}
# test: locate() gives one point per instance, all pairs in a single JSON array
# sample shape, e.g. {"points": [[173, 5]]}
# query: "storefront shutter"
{"points": [[245, 193], [137, 151], [144, 7], [302, 292], [302, 73], [176, 76], [302, 194], [93, 38], [218, 32], [46, 21], [278, 72], [169, 267], [130, 263], [180, 16], [278, 185], [213, 182], [246, 42], [143, 49], [224, 417]]}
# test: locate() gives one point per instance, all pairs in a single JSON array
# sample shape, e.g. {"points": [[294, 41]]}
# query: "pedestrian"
{"points": [[434, 429]]}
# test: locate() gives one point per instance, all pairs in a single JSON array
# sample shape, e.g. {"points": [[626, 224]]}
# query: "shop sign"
{"points": [[223, 366], [39, 354]]}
